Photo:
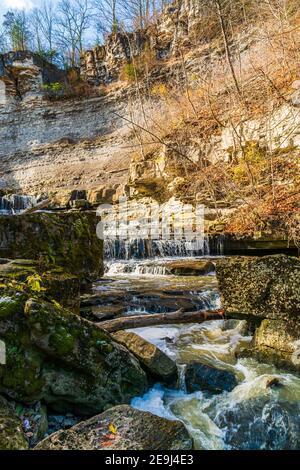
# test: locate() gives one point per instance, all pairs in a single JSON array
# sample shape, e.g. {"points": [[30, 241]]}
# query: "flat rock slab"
{"points": [[121, 428], [190, 267], [150, 356]]}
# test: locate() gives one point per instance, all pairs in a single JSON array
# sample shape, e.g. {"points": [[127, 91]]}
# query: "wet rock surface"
{"points": [[203, 377], [156, 362], [259, 424], [265, 290], [12, 435], [121, 428], [54, 355], [278, 342], [266, 287], [190, 268]]}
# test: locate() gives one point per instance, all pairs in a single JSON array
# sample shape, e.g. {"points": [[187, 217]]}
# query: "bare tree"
{"points": [[107, 15], [226, 43], [3, 41], [73, 21], [47, 23]]}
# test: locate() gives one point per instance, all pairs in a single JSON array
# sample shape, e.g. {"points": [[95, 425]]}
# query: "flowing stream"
{"points": [[14, 203], [261, 412]]}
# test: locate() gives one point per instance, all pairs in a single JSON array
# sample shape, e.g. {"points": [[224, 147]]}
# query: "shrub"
{"points": [[54, 89]]}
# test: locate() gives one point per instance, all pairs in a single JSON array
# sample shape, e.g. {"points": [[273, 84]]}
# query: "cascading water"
{"points": [[143, 230], [146, 248], [260, 412], [15, 203], [251, 416]]}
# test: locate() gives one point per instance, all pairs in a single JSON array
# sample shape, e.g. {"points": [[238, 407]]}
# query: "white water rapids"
{"points": [[253, 415]]}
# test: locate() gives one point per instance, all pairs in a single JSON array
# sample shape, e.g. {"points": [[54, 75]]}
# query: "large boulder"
{"points": [[265, 291], [12, 436], [65, 239], [278, 342], [266, 287], [200, 376], [121, 428], [55, 356], [155, 361]]}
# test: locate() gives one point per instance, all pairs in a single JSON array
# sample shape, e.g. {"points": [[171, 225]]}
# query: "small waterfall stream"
{"points": [[15, 203], [139, 248], [253, 415]]}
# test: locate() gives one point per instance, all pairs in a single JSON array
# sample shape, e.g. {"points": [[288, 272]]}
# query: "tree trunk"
{"points": [[179, 316], [226, 44]]}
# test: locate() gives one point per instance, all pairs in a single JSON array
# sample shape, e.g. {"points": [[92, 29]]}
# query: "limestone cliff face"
{"points": [[86, 148], [47, 144]]}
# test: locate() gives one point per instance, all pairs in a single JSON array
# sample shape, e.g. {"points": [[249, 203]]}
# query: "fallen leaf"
{"points": [[112, 428]]}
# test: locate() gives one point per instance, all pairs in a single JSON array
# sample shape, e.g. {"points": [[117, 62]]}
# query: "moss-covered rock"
{"points": [[66, 239], [12, 436], [70, 363], [266, 287], [31, 278], [121, 428]]}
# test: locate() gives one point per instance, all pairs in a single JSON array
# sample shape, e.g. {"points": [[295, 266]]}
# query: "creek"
{"points": [[261, 412]]}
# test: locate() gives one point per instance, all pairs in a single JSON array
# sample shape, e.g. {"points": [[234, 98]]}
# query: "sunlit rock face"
{"points": [[177, 27], [103, 63], [23, 74]]}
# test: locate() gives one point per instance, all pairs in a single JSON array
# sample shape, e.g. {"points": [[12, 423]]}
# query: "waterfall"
{"points": [[146, 248], [181, 377], [15, 203], [142, 268]]}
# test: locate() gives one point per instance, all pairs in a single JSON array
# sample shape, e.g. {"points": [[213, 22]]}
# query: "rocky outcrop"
{"points": [[266, 287], [12, 436], [176, 29], [265, 291], [81, 199], [121, 428], [67, 240], [200, 376], [155, 361], [55, 356], [23, 75], [190, 267], [103, 63]]}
